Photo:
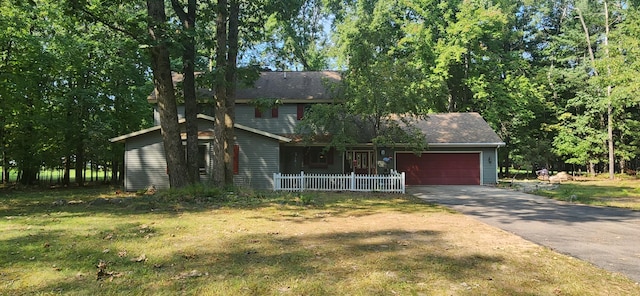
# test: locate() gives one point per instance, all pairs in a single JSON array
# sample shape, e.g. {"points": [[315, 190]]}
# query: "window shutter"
{"points": [[274, 112], [257, 113], [300, 111], [236, 159]]}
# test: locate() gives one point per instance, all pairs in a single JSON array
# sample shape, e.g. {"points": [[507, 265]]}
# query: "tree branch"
{"points": [[178, 8], [111, 26]]}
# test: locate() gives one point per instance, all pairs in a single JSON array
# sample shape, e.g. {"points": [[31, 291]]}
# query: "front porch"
{"points": [[318, 160]]}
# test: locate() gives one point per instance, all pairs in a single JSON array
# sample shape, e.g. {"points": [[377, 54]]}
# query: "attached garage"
{"points": [[440, 168], [462, 150]]}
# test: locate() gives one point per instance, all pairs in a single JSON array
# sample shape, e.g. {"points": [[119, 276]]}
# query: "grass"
{"points": [[203, 241], [620, 193]]}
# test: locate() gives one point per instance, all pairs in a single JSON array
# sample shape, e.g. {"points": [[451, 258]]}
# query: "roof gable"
{"points": [[201, 134]]}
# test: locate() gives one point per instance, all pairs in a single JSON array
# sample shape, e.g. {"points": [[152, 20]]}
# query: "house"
{"points": [[462, 146]]}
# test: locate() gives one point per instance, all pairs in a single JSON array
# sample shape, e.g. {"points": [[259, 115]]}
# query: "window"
{"points": [[259, 114], [318, 157], [202, 159]]}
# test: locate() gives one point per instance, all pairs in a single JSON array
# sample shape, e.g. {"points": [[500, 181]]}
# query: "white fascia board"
{"points": [[137, 133], [262, 133]]}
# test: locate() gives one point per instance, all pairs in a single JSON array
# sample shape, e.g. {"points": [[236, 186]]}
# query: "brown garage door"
{"points": [[440, 168]]}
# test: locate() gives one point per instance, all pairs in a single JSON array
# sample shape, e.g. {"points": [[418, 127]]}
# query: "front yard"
{"points": [[202, 242]]}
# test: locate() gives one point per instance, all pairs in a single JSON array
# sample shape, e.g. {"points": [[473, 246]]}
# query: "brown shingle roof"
{"points": [[298, 85], [458, 128], [294, 87]]}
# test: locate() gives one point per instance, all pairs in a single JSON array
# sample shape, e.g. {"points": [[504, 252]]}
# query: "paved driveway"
{"points": [[606, 237]]}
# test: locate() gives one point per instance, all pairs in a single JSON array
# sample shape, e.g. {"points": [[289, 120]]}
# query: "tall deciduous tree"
{"points": [[188, 46], [162, 80]]}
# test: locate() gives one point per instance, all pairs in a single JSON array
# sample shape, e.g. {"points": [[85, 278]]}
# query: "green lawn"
{"points": [[621, 193], [202, 241]]}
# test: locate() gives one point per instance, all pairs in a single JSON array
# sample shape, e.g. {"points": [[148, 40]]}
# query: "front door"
{"points": [[362, 162]]}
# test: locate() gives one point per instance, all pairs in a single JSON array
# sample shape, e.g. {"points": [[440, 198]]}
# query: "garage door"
{"points": [[440, 168]]}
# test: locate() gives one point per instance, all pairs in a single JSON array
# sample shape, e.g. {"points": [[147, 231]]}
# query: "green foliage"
{"points": [[70, 86], [194, 193], [265, 104]]}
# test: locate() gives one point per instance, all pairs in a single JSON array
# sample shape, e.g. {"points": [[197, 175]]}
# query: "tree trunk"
{"points": [[188, 20], [5, 167], [28, 175], [231, 78], [66, 180], [114, 171], [221, 95], [167, 106], [80, 164], [592, 169], [609, 102]]}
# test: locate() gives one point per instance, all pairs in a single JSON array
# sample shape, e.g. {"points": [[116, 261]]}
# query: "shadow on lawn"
{"points": [[257, 264], [79, 202]]}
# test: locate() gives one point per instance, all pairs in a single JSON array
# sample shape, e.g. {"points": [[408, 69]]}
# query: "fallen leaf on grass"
{"points": [[141, 258], [403, 243], [189, 256], [189, 274], [102, 272]]}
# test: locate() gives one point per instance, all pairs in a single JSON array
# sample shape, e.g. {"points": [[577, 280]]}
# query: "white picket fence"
{"points": [[339, 182]]}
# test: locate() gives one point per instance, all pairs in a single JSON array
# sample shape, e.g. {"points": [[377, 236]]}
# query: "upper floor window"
{"points": [[302, 109], [273, 113]]}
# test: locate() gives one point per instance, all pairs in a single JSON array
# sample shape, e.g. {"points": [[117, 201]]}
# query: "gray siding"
{"points": [[259, 160], [145, 163], [156, 114], [489, 169], [284, 124]]}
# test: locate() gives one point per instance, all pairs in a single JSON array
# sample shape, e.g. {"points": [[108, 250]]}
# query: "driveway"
{"points": [[607, 237]]}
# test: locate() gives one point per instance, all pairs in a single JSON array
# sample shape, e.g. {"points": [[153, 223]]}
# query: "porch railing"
{"points": [[393, 182]]}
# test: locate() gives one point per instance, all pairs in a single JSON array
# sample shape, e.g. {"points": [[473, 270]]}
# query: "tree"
{"points": [[297, 36], [378, 85], [188, 44], [162, 79]]}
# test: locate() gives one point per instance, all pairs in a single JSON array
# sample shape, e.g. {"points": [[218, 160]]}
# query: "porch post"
{"points": [[301, 180], [402, 182]]}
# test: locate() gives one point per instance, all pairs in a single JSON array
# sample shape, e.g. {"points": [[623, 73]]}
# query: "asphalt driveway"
{"points": [[606, 237]]}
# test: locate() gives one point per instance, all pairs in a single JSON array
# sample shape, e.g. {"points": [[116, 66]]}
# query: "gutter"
{"points": [[458, 145]]}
